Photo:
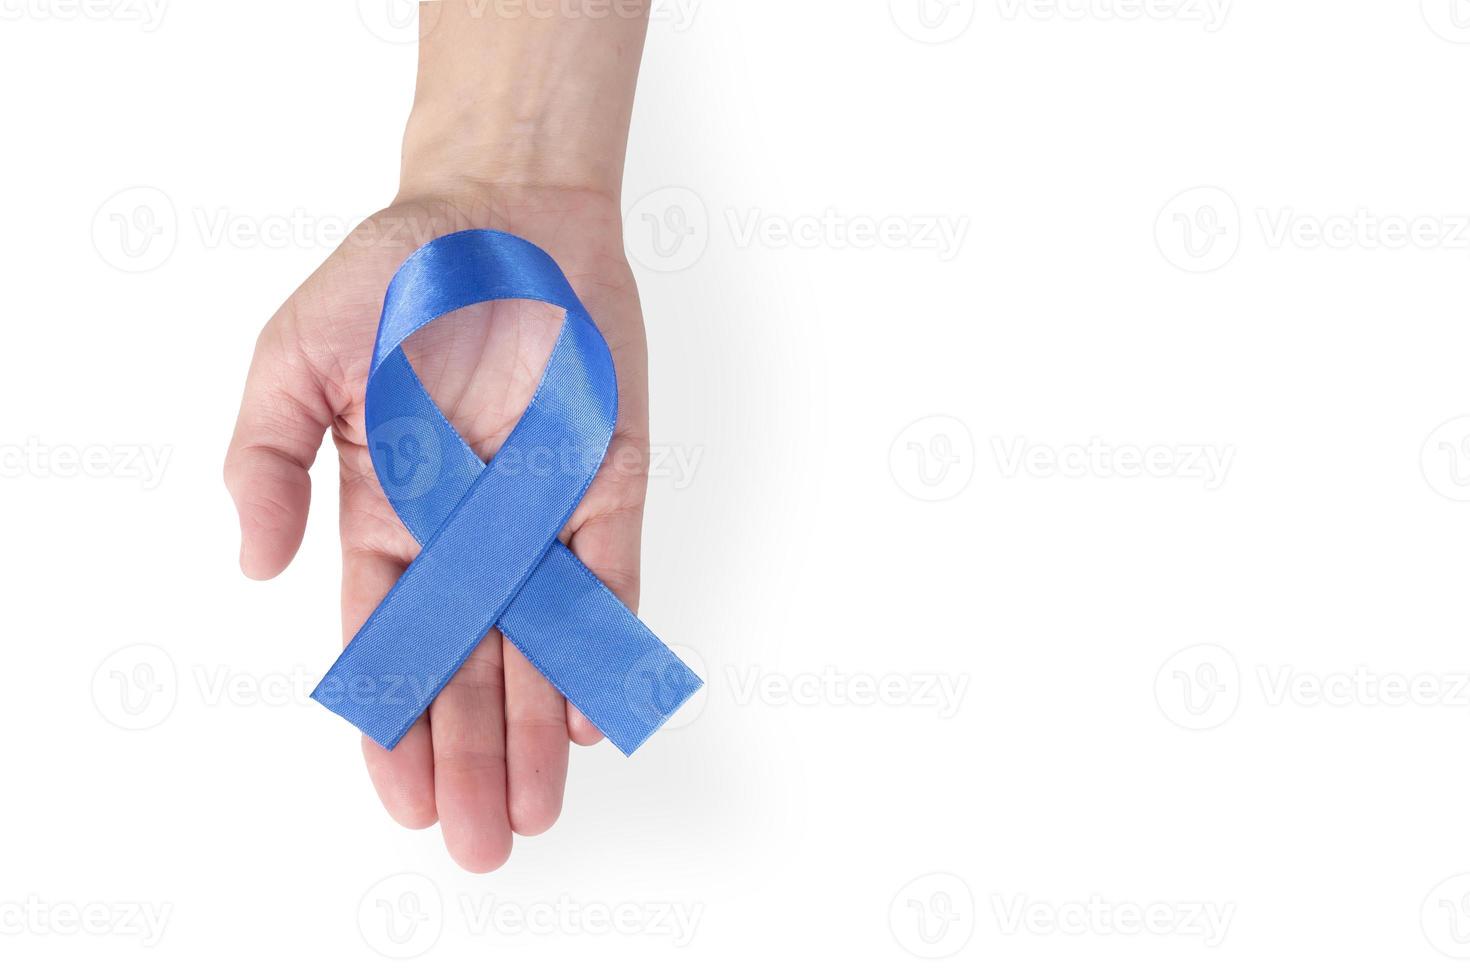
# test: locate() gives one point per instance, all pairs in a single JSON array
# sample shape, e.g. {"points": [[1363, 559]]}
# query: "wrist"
{"points": [[489, 147], [509, 97]]}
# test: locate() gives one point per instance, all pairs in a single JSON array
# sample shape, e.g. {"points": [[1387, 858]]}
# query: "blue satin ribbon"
{"points": [[490, 555]]}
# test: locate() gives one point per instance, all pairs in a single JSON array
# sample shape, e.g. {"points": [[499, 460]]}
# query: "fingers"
{"points": [[282, 417], [609, 543], [467, 720], [404, 777], [536, 745], [581, 731]]}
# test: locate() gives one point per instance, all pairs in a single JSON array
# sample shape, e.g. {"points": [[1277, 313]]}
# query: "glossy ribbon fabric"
{"points": [[490, 555]]}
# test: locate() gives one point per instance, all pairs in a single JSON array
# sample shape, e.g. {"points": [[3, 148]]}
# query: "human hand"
{"points": [[520, 124], [490, 757]]}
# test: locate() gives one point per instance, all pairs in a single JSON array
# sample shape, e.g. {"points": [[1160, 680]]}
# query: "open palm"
{"points": [[489, 759]]}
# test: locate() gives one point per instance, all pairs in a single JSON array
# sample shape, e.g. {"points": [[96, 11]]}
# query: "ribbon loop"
{"points": [[490, 555]]}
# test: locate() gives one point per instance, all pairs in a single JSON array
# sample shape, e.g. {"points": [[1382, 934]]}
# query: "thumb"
{"points": [[282, 418]]}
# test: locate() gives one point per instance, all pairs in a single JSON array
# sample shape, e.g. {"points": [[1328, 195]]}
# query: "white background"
{"points": [[1203, 721]]}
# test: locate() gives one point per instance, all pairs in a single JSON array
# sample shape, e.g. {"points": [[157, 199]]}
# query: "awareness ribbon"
{"points": [[490, 555]]}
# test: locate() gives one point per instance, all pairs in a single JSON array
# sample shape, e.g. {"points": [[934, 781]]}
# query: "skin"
{"points": [[520, 124]]}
